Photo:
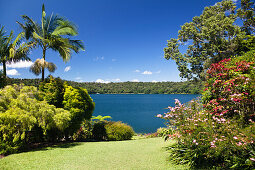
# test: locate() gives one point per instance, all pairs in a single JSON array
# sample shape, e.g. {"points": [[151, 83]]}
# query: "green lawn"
{"points": [[133, 154]]}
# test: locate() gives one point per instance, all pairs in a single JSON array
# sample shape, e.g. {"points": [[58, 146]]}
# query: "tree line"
{"points": [[185, 87]]}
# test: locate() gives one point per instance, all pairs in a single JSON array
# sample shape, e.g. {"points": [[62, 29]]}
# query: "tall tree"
{"points": [[247, 15], [210, 37], [12, 50], [53, 33]]}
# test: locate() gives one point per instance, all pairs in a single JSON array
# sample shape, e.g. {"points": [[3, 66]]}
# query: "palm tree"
{"points": [[41, 64], [53, 33], [12, 51]]}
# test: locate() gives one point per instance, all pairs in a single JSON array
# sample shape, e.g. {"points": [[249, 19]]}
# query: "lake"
{"points": [[137, 110]]}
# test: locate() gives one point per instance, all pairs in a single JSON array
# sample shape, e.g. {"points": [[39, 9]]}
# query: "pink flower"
{"points": [[159, 115], [239, 144], [252, 159], [235, 137], [194, 141]]}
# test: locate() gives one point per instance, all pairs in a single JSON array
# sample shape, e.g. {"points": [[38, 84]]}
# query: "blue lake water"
{"points": [[137, 110]]}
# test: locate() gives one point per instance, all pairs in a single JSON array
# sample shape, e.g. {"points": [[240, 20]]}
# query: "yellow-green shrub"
{"points": [[118, 131], [21, 113]]}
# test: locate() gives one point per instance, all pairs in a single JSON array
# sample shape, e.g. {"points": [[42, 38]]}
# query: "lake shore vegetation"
{"points": [[217, 130]]}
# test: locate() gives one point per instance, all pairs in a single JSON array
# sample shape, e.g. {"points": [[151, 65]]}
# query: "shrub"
{"points": [[85, 132], [118, 131], [222, 134], [230, 88], [80, 105], [54, 91], [163, 132], [99, 130], [21, 113]]}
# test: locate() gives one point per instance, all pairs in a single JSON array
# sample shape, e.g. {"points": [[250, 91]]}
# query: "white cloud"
{"points": [[102, 81], [117, 80], [67, 68], [158, 72], [98, 58], [147, 72], [20, 64], [12, 72], [135, 80], [137, 71], [154, 81], [78, 78]]}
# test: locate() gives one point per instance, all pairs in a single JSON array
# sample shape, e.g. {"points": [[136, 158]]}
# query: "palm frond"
{"points": [[40, 64], [36, 67], [30, 22], [18, 39], [65, 27], [77, 45], [51, 67]]}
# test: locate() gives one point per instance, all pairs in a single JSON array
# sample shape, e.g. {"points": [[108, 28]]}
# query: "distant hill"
{"points": [[186, 87]]}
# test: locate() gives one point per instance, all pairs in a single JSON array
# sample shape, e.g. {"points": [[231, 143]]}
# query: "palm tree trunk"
{"points": [[4, 68], [44, 51]]}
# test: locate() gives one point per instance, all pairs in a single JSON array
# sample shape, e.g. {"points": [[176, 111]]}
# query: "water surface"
{"points": [[137, 110]]}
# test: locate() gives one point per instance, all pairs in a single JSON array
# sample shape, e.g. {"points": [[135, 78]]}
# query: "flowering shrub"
{"points": [[229, 91], [204, 140], [218, 131]]}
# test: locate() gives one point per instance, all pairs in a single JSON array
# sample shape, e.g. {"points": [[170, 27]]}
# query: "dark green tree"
{"points": [[210, 37], [247, 15]]}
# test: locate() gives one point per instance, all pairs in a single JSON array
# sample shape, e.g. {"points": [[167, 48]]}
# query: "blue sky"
{"points": [[124, 39]]}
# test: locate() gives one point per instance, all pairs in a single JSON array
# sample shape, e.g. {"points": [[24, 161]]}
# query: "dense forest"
{"points": [[187, 87]]}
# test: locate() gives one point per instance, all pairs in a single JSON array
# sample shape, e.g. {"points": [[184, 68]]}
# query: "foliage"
{"points": [[247, 14], [41, 64], [99, 130], [221, 132], [230, 88], [187, 87], [85, 132], [54, 91], [100, 118], [21, 114], [119, 131], [164, 132], [53, 33], [12, 50], [211, 37], [206, 141], [80, 105]]}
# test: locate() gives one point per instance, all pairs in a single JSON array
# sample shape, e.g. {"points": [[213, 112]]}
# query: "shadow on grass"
{"points": [[49, 146]]}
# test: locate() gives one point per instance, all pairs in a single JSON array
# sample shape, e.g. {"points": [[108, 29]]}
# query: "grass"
{"points": [[132, 154]]}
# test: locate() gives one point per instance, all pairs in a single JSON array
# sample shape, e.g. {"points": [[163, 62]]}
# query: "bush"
{"points": [[99, 131], [117, 131], [80, 105], [222, 134], [163, 132], [22, 115], [85, 132], [54, 91]]}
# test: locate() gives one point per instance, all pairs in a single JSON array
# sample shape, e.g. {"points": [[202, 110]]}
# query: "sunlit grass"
{"points": [[132, 154]]}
